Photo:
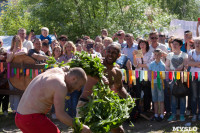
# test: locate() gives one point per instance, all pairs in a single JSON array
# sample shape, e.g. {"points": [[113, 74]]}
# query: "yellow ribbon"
{"points": [[185, 77], [133, 77], [161, 76], [178, 76], [145, 75], [152, 80], [125, 76]]}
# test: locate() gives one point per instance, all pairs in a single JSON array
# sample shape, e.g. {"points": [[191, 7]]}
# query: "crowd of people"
{"points": [[159, 53]]}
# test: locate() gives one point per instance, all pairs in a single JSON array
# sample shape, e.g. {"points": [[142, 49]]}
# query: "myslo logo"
{"points": [[183, 129]]}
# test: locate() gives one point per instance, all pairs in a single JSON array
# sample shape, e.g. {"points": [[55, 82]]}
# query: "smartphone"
{"points": [[198, 19]]}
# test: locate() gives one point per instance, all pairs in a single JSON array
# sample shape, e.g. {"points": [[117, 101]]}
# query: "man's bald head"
{"points": [[115, 45], [79, 73]]}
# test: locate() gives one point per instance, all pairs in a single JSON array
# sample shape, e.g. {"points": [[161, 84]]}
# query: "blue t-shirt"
{"points": [[154, 66], [48, 37]]}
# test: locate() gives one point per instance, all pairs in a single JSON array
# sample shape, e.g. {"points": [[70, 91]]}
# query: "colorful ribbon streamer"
{"points": [[134, 77], [18, 73], [130, 77]]}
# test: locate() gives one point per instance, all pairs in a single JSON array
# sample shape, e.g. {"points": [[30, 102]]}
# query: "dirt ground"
{"points": [[141, 125]]}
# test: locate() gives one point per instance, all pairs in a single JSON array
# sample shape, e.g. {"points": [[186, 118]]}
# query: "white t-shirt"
{"points": [[176, 61], [196, 58], [28, 44], [160, 46]]}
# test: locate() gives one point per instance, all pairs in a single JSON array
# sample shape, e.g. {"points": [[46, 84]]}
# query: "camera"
{"points": [[32, 30], [89, 46]]}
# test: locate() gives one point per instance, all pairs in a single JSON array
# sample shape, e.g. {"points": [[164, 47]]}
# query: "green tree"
{"points": [[184, 9], [84, 17]]}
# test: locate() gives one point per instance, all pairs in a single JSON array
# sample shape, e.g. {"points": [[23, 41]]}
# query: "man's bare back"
{"points": [[44, 90], [39, 95]]}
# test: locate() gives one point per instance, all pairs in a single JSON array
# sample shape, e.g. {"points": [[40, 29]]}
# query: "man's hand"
{"points": [[105, 80], [86, 129]]}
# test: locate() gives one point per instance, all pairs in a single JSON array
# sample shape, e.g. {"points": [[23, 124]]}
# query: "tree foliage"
{"points": [[83, 17], [184, 9]]}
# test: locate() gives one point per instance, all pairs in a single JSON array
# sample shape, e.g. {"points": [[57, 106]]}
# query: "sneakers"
{"points": [[194, 118], [172, 118], [5, 113], [182, 118], [154, 118], [53, 116], [159, 119]]}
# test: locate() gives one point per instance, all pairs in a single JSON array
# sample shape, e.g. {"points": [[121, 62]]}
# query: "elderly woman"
{"points": [[176, 61], [142, 64], [69, 51], [194, 62], [16, 49]]}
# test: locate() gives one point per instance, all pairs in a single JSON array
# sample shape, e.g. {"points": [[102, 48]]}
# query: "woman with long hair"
{"points": [[16, 49]]}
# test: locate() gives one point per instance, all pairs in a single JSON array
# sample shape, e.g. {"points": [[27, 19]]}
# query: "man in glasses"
{"points": [[153, 37]]}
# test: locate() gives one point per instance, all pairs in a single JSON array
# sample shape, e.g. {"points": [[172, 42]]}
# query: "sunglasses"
{"points": [[161, 35], [63, 39], [153, 38], [127, 36]]}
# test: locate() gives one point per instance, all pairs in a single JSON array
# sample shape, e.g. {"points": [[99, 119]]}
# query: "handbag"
{"points": [[179, 89]]}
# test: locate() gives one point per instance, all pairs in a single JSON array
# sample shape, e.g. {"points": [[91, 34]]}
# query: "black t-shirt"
{"points": [[32, 51]]}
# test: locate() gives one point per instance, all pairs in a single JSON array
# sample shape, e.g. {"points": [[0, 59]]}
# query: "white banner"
{"points": [[177, 28]]}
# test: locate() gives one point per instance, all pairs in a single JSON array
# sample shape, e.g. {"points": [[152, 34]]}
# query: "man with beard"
{"points": [[46, 89], [114, 76]]}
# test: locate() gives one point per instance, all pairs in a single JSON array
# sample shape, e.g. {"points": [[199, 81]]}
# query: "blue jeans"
{"points": [[70, 104], [174, 101], [157, 94], [195, 96], [14, 99]]}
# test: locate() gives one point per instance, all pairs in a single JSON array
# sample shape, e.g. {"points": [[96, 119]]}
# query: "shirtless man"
{"points": [[44, 90], [113, 75]]}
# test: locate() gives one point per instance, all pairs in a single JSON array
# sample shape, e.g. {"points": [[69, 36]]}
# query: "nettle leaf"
{"points": [[105, 109]]}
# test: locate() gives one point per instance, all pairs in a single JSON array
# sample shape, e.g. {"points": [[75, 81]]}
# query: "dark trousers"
{"points": [[167, 97], [144, 86], [4, 100]]}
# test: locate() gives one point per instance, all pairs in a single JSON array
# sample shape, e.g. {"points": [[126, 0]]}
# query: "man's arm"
{"points": [[59, 103], [118, 85], [39, 56]]}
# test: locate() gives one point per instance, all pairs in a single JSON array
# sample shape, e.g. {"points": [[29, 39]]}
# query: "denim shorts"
{"points": [[157, 94]]}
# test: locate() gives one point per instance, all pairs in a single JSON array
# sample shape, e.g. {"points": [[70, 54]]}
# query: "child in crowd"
{"points": [[45, 49], [157, 91], [45, 35]]}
